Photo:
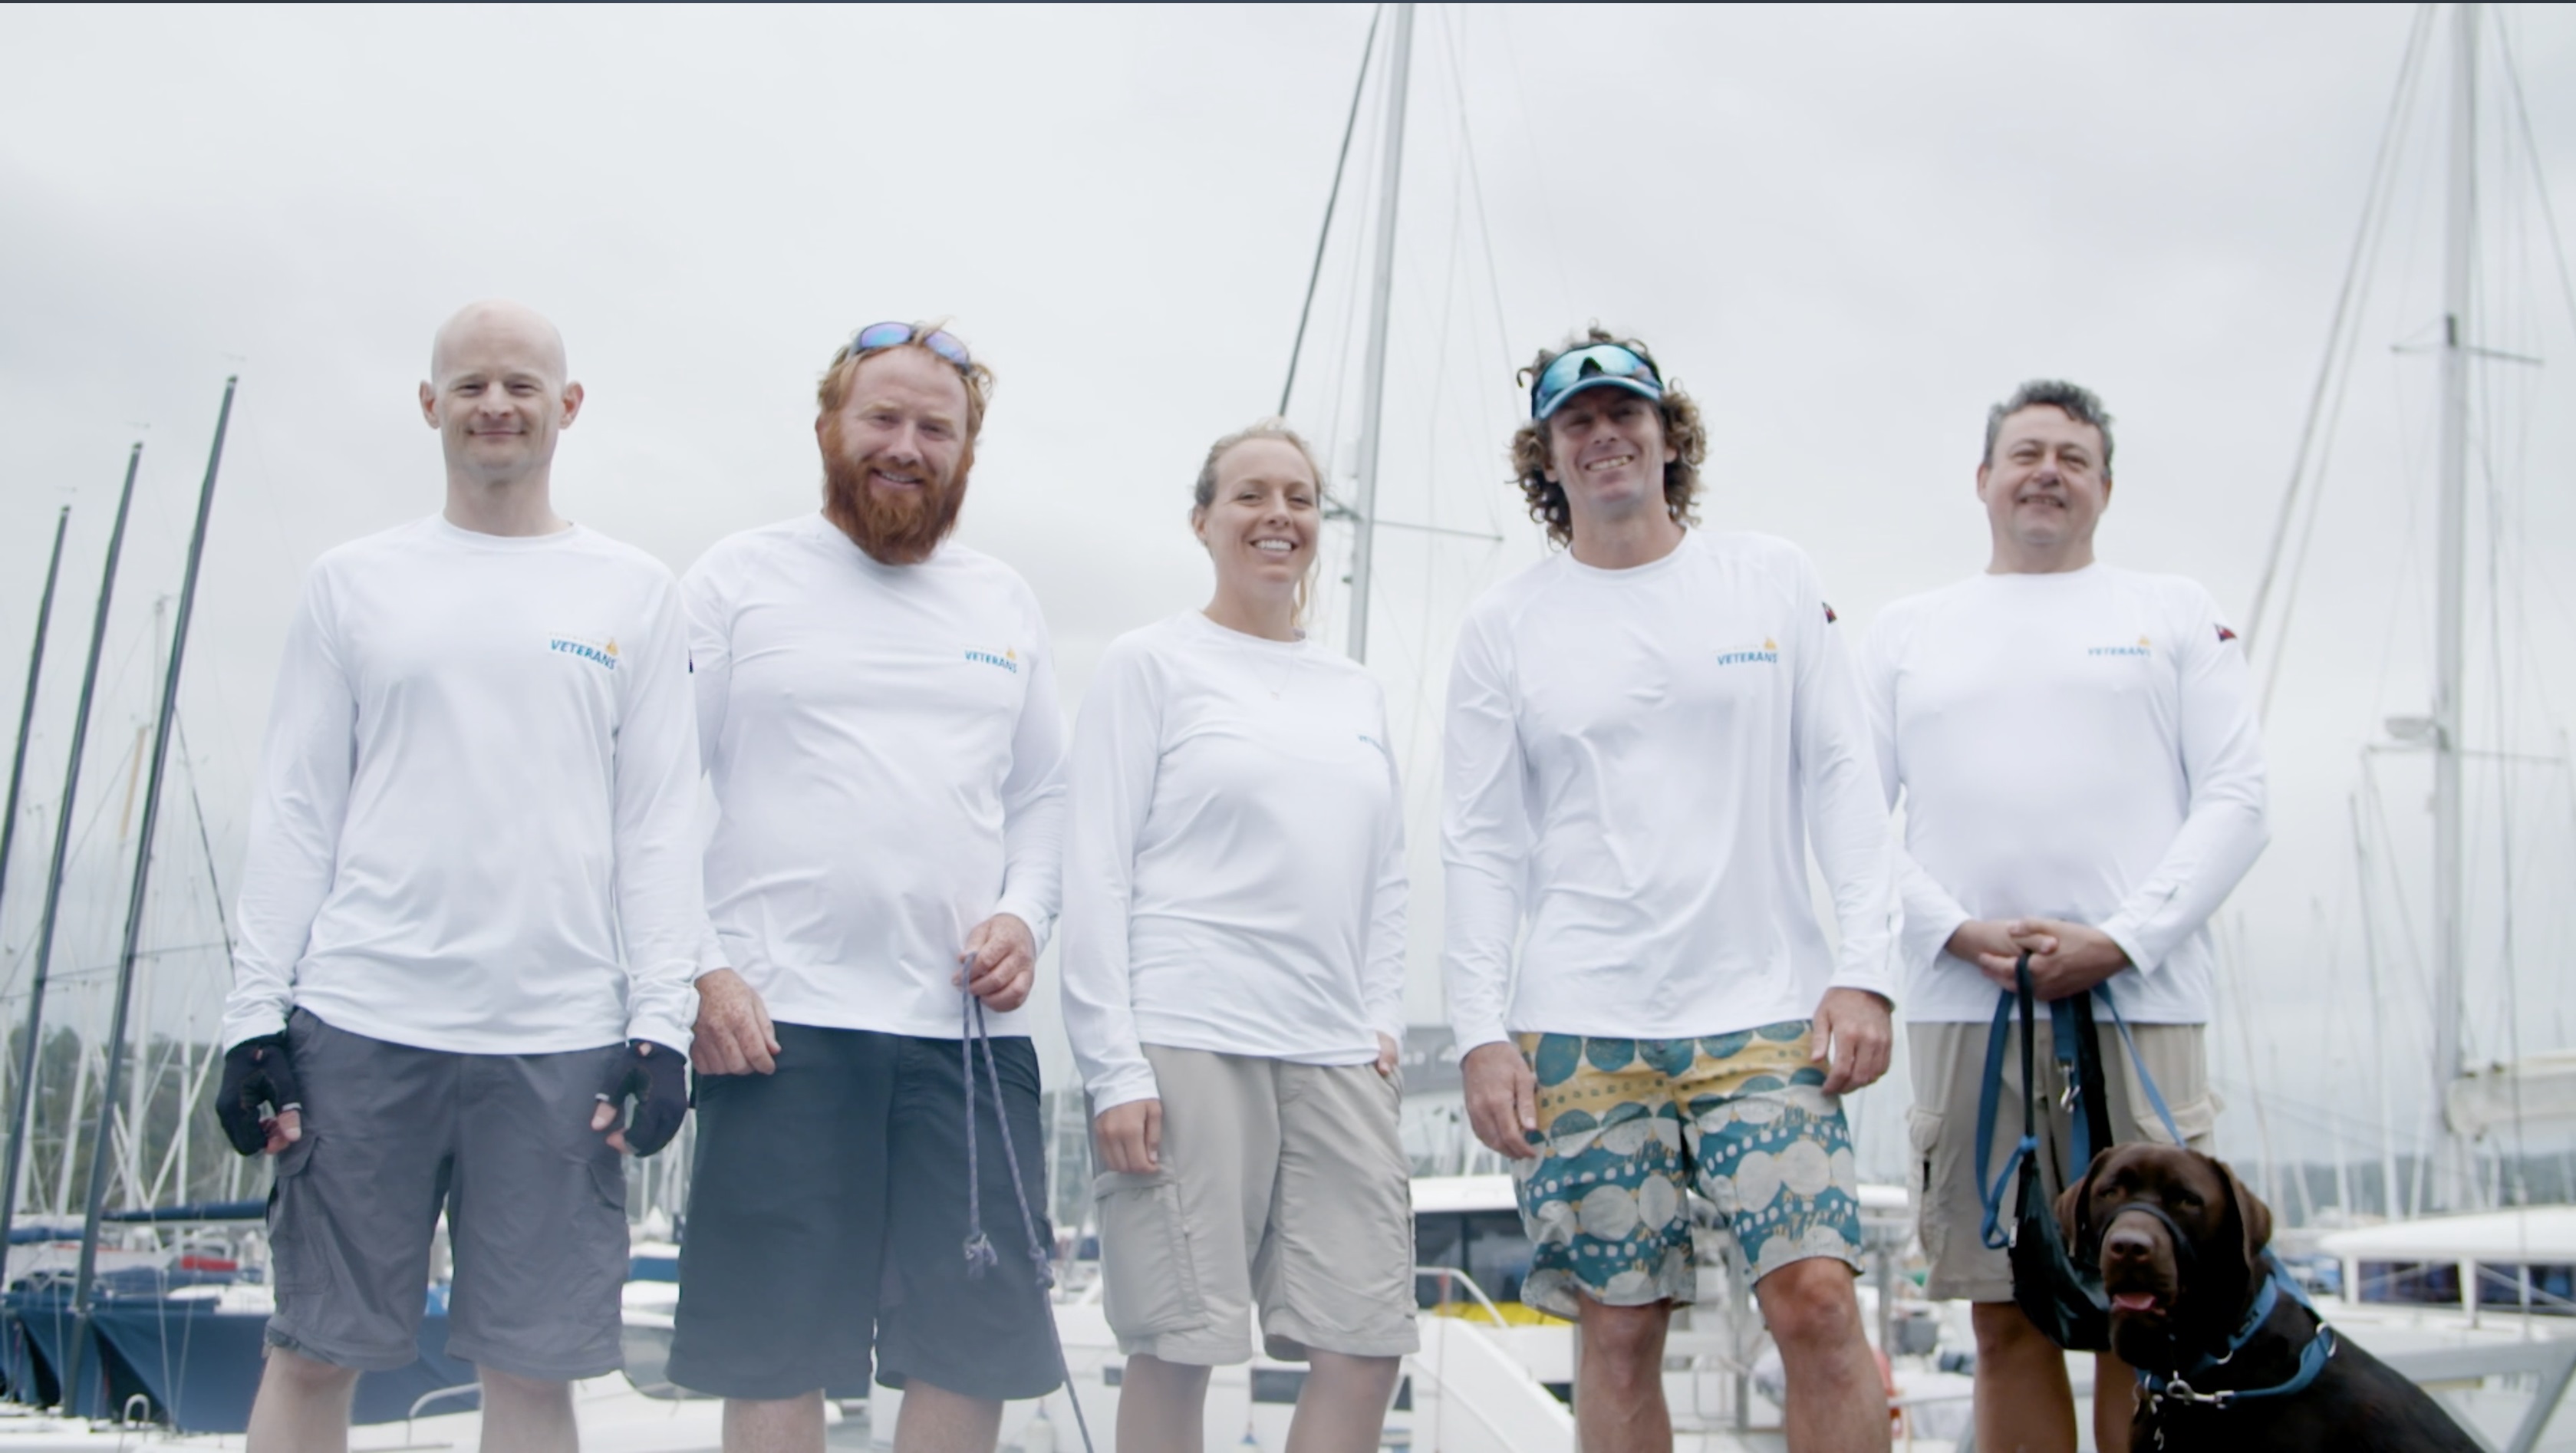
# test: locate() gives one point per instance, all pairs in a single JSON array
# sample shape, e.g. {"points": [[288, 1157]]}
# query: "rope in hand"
{"points": [[980, 1256]]}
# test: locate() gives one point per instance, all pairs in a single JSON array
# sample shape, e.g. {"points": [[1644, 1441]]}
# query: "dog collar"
{"points": [[2159, 1389]]}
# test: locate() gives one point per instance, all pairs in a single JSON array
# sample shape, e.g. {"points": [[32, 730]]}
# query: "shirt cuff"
{"points": [[1041, 924], [1926, 940], [2124, 932], [1877, 982], [1473, 1037], [663, 1030], [245, 1025], [1124, 1086]]}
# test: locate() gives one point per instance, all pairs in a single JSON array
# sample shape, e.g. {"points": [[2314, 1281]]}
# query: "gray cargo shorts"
{"points": [[535, 1202]]}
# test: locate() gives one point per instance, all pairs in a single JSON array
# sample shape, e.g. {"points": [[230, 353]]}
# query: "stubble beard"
{"points": [[894, 528]]}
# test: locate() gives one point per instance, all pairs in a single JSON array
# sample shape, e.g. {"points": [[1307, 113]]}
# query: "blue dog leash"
{"points": [[980, 1256], [2062, 1034]]}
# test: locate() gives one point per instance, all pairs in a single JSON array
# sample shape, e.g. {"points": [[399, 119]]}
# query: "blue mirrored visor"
{"points": [[1577, 369]]}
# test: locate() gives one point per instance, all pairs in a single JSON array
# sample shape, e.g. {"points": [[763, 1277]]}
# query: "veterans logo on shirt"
{"points": [[1009, 660], [1769, 652], [600, 653], [2140, 649]]}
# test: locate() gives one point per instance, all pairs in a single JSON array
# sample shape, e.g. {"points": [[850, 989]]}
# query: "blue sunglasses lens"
{"points": [[895, 335], [1601, 360]]}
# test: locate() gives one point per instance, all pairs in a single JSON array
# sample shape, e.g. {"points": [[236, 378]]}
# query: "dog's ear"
{"points": [[2074, 1207], [2251, 1213]]}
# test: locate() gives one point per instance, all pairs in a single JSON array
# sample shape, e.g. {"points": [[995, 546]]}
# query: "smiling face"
{"points": [[1607, 451], [2044, 489], [2169, 1297], [1261, 520], [896, 455], [497, 393]]}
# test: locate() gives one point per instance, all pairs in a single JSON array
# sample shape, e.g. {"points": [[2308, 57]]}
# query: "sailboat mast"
{"points": [[2450, 937], [104, 1137], [18, 1111], [27, 705], [2388, 1203], [1399, 64]]}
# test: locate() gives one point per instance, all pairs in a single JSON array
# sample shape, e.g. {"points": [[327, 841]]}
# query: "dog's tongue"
{"points": [[2133, 1301]]}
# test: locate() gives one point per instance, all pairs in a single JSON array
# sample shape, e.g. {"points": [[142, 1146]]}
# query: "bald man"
{"points": [[469, 920]]}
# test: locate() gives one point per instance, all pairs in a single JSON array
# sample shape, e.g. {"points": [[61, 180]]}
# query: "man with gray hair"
{"points": [[2076, 750]]}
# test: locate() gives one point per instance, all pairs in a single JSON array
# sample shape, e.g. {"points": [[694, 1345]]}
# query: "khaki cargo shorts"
{"points": [[1282, 1185], [1949, 1064]]}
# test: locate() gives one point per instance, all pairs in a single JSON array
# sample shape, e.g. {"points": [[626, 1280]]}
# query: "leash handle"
{"points": [[1990, 1190]]}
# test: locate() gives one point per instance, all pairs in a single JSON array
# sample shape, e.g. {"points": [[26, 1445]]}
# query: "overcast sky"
{"points": [[1846, 231]]}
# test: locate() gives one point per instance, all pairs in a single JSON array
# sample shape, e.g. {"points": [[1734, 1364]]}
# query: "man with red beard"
{"points": [[878, 717]]}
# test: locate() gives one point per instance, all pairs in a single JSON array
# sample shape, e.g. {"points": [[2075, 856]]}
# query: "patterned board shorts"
{"points": [[1626, 1124]]}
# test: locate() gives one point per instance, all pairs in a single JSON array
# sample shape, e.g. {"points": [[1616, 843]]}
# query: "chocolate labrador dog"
{"points": [[2180, 1244]]}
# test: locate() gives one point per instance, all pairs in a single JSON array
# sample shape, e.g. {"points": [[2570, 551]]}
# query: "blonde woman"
{"points": [[1234, 982]]}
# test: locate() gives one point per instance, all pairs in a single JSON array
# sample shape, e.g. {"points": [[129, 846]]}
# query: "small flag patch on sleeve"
{"points": [[2224, 634], [1830, 617]]}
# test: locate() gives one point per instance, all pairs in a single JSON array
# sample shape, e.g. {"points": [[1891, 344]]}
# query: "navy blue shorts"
{"points": [[827, 1224]]}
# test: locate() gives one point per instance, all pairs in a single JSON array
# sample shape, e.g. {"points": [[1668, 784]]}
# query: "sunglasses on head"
{"points": [[895, 335], [1600, 363]]}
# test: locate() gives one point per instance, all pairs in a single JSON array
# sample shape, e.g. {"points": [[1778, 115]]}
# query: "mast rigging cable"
{"points": [[1315, 274]]}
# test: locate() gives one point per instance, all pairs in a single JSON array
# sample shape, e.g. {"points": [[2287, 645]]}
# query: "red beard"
{"points": [[894, 527]]}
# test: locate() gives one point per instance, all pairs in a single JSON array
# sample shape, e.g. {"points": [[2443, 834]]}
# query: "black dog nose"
{"points": [[2128, 1244]]}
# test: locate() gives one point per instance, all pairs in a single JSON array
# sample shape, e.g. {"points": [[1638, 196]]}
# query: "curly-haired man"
{"points": [[1645, 733]]}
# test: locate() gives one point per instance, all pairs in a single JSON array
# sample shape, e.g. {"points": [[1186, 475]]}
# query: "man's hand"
{"points": [[258, 1072], [1130, 1137], [1000, 964], [1852, 1037], [1502, 1099], [1981, 939], [1386, 1054], [733, 1034], [2065, 958], [659, 1085]]}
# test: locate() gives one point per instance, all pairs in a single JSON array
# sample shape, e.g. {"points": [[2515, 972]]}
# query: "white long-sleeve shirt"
{"points": [[475, 830], [1235, 877], [2078, 746], [1640, 759], [887, 755]]}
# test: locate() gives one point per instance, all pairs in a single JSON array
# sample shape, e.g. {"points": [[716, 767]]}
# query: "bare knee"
{"points": [[1625, 1344], [308, 1375], [1165, 1376], [2005, 1335], [1150, 1374], [517, 1391], [1809, 1306], [1341, 1373]]}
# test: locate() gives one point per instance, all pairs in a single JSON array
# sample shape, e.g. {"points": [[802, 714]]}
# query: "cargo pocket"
{"points": [[2198, 1122], [290, 1204], [1149, 1285], [1923, 1134], [594, 1252], [608, 1178]]}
